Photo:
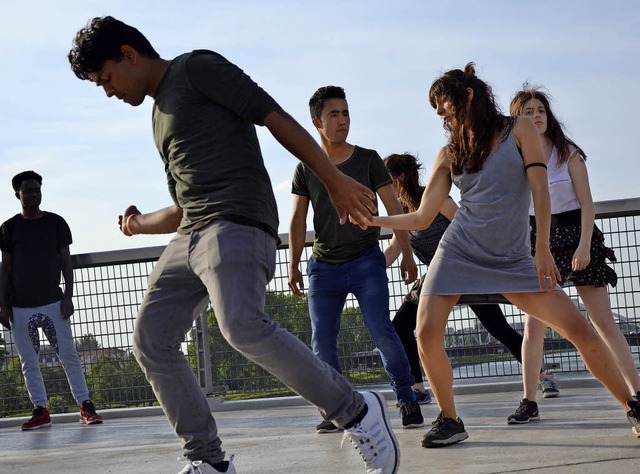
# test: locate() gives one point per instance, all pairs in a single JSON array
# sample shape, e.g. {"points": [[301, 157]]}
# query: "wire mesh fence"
{"points": [[109, 287]]}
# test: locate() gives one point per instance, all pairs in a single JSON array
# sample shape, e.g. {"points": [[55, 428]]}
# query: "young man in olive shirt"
{"points": [[347, 259], [225, 216]]}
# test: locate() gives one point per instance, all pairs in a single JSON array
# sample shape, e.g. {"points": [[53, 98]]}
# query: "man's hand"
{"points": [[66, 307], [123, 220], [408, 270], [352, 200], [6, 316], [296, 282]]}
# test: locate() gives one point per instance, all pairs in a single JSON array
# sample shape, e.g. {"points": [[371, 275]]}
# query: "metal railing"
{"points": [[109, 287]]}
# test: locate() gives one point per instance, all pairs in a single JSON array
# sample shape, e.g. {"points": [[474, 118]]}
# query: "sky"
{"points": [[97, 155]]}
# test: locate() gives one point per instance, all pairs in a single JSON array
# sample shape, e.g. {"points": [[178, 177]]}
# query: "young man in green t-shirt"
{"points": [[226, 220], [347, 259]]}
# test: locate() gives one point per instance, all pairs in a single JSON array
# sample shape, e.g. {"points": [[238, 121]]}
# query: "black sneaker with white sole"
{"points": [[327, 427], [527, 411], [633, 415], [411, 415], [445, 431]]}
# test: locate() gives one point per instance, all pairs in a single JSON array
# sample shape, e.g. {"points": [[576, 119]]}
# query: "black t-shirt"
{"points": [[34, 246]]}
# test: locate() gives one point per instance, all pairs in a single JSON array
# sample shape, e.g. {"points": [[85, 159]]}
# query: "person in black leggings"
{"points": [[404, 170]]}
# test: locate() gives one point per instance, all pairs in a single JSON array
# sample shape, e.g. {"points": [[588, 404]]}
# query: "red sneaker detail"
{"points": [[88, 413], [39, 419]]}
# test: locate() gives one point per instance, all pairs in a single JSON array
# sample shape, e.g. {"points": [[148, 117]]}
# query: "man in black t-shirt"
{"points": [[35, 251], [204, 116]]}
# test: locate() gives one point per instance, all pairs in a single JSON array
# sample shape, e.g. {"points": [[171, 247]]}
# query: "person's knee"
{"points": [[244, 332], [428, 339], [143, 344]]}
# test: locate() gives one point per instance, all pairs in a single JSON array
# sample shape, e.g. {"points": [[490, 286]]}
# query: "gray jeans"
{"points": [[230, 265], [57, 330]]}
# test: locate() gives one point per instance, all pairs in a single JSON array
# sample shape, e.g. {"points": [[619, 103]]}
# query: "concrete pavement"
{"points": [[584, 430]]}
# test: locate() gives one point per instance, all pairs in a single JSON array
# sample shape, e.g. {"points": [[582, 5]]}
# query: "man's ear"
{"points": [[18, 194], [316, 122], [129, 53]]}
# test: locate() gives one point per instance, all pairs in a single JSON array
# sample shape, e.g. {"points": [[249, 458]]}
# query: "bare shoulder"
{"points": [[524, 129], [442, 159]]}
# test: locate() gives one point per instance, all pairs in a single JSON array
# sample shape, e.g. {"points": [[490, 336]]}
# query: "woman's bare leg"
{"points": [[433, 313], [596, 300], [532, 349], [555, 309]]}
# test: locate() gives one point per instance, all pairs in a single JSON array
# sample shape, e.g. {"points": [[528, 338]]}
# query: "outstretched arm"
{"points": [[408, 268], [350, 198], [434, 196], [164, 221]]}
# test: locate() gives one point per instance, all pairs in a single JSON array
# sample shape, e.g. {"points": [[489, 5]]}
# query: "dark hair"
{"points": [[101, 40], [484, 118], [555, 129], [410, 192], [316, 103], [18, 179]]}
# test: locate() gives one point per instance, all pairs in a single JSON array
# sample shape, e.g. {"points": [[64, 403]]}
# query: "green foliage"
{"points": [[13, 393], [243, 378], [119, 382], [87, 342]]}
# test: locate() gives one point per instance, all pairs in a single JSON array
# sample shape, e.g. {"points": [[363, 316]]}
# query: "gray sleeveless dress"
{"points": [[486, 249]]}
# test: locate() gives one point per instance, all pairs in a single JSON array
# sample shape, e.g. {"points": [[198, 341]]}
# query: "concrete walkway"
{"points": [[583, 431]]}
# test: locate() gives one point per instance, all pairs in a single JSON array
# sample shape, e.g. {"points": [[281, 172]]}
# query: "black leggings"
{"points": [[490, 315]]}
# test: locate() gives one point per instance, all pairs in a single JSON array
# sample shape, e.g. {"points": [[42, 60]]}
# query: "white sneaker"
{"points": [[199, 467], [374, 439]]}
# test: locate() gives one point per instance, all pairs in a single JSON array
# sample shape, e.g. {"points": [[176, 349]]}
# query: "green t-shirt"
{"points": [[203, 125], [335, 243]]}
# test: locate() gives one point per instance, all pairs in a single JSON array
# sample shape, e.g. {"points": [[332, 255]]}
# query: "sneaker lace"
{"points": [[361, 441], [548, 384], [438, 424], [409, 408], [522, 408]]}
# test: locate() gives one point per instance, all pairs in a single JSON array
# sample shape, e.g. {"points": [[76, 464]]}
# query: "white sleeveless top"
{"points": [[563, 195]]}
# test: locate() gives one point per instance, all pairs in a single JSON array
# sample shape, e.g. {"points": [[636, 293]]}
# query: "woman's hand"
{"points": [[548, 273], [581, 257]]}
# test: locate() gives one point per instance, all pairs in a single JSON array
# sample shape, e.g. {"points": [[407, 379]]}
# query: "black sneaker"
{"points": [[411, 415], [527, 411], [445, 431], [633, 415], [327, 427]]}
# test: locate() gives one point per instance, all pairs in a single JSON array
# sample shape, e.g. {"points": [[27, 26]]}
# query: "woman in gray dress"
{"points": [[497, 162]]}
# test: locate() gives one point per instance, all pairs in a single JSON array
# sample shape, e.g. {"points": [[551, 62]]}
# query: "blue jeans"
{"points": [[230, 265], [366, 278]]}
